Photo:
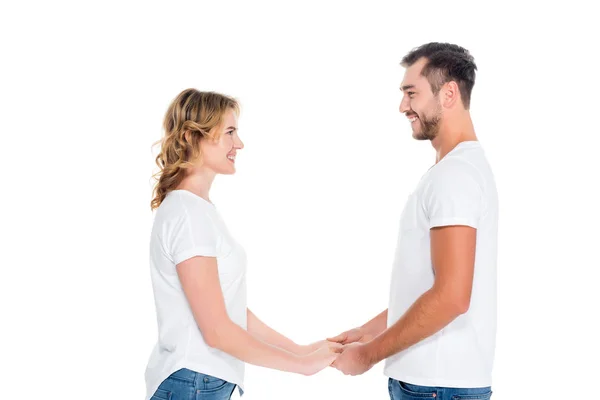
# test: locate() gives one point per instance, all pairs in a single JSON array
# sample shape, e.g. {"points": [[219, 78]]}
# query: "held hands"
{"points": [[318, 356], [354, 359], [351, 336], [345, 352]]}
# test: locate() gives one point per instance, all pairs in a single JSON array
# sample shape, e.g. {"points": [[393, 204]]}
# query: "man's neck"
{"points": [[451, 133]]}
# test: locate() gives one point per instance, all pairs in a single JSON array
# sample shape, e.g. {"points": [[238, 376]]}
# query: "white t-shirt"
{"points": [[185, 226], [459, 190]]}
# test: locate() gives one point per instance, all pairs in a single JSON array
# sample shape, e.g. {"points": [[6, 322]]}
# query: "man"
{"points": [[438, 333]]}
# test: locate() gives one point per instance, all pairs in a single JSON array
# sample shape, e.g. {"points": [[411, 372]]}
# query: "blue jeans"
{"points": [[186, 384], [406, 391]]}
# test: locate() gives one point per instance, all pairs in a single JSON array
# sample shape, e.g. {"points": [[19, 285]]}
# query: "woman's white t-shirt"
{"points": [[185, 226]]}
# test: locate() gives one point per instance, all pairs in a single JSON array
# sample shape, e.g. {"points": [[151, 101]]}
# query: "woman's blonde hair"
{"points": [[193, 116]]}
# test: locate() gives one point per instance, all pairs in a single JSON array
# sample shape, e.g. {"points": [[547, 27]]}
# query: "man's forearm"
{"points": [[429, 314], [376, 325]]}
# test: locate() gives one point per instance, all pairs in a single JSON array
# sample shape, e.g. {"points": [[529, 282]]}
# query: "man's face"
{"points": [[419, 104]]}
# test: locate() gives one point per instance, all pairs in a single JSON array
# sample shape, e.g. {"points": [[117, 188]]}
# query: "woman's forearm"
{"points": [[238, 342], [265, 333]]}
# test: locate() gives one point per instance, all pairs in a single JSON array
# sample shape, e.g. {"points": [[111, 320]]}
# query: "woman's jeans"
{"points": [[189, 385]]}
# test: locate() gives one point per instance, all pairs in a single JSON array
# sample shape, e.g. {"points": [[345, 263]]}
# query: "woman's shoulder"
{"points": [[183, 204]]}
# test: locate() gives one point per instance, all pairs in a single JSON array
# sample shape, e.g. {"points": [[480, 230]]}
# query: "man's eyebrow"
{"points": [[403, 88]]}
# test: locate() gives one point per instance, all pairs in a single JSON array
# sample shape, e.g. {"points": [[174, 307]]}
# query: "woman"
{"points": [[198, 270]]}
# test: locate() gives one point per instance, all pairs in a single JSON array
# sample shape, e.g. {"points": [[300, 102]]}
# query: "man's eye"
{"points": [[410, 94]]}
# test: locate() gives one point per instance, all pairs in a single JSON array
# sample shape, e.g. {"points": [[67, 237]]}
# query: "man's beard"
{"points": [[430, 126]]}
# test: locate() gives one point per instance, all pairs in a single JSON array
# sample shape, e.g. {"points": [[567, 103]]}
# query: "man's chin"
{"points": [[419, 136]]}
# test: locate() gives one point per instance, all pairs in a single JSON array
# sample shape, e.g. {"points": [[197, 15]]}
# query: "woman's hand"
{"points": [[323, 356], [306, 349]]}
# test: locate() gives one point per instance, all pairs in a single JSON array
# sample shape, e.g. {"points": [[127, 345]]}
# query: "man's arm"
{"points": [[376, 325], [453, 259], [365, 332]]}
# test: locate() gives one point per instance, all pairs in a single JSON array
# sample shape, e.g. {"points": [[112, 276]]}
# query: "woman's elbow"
{"points": [[213, 336], [211, 339]]}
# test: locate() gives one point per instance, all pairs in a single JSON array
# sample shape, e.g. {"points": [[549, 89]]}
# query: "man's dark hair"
{"points": [[445, 62]]}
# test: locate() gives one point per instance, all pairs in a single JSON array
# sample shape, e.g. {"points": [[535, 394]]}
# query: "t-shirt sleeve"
{"points": [[454, 197], [193, 234]]}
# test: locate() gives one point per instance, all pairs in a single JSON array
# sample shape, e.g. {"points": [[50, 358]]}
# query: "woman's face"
{"points": [[219, 156]]}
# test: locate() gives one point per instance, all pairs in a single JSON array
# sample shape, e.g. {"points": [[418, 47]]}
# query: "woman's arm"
{"points": [[264, 332], [200, 282]]}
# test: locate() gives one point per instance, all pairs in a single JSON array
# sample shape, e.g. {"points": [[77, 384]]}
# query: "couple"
{"points": [[438, 334]]}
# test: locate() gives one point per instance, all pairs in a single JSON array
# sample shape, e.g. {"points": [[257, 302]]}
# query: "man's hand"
{"points": [[351, 336], [354, 360], [321, 358]]}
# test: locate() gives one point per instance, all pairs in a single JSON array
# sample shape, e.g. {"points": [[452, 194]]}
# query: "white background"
{"points": [[328, 164]]}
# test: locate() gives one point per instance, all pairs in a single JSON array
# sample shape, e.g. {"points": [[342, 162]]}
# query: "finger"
{"points": [[338, 350], [339, 338], [348, 340]]}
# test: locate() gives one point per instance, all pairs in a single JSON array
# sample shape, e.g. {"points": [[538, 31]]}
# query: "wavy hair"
{"points": [[193, 116]]}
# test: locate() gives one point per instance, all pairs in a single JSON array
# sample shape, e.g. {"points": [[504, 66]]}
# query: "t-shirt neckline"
{"points": [[193, 195]]}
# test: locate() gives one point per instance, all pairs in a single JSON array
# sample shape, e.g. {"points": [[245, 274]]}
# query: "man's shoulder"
{"points": [[454, 169]]}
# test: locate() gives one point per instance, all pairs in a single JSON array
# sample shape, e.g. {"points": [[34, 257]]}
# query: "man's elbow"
{"points": [[460, 304], [455, 302]]}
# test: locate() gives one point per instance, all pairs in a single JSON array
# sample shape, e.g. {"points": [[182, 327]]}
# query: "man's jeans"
{"points": [[406, 391]]}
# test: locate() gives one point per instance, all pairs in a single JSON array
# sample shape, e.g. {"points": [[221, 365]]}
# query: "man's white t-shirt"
{"points": [[185, 226], [459, 190]]}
